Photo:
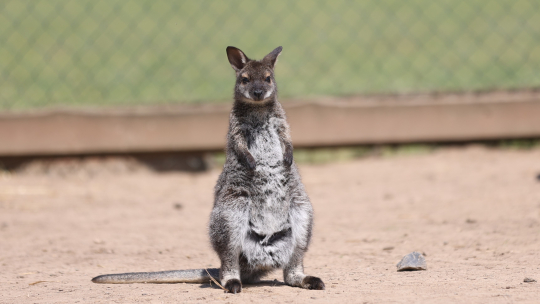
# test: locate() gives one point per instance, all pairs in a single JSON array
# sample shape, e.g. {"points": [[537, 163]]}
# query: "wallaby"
{"points": [[262, 217]]}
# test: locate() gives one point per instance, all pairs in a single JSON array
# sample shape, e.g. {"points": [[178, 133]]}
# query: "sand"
{"points": [[474, 212]]}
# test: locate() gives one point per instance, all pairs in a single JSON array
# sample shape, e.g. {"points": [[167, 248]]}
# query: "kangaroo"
{"points": [[262, 218]]}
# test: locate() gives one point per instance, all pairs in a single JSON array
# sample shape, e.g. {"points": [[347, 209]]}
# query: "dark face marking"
{"points": [[254, 78], [255, 82]]}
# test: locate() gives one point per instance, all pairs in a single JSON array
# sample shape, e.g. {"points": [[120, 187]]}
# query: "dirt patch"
{"points": [[473, 212], [89, 166]]}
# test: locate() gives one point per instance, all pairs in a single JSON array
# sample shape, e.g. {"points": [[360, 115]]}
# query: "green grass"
{"points": [[341, 154], [114, 52], [516, 144], [317, 156]]}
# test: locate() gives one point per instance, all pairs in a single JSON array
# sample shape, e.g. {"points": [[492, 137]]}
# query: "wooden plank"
{"points": [[331, 125], [101, 132], [313, 124]]}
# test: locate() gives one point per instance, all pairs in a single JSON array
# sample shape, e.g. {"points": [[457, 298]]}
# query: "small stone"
{"points": [[388, 248], [177, 206], [529, 280], [411, 262], [470, 221]]}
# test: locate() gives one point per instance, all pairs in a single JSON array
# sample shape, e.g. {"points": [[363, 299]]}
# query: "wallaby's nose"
{"points": [[258, 94]]}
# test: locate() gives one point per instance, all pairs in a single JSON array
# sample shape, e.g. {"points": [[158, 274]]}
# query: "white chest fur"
{"points": [[270, 206], [266, 145]]}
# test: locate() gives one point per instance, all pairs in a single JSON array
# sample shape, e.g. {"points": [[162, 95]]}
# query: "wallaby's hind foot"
{"points": [[233, 286], [308, 282], [312, 283], [299, 279]]}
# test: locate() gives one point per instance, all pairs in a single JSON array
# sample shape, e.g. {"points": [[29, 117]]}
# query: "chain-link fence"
{"points": [[110, 52]]}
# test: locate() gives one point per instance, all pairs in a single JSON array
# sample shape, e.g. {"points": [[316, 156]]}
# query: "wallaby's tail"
{"points": [[172, 276]]}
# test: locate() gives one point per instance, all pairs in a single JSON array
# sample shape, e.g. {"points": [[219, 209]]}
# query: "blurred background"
{"points": [[415, 124], [143, 52], [170, 55]]}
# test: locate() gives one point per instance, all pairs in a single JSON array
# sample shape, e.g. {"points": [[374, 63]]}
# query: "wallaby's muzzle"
{"points": [[258, 95]]}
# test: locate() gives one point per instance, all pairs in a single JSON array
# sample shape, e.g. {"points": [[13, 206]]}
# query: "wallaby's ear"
{"points": [[272, 57], [237, 58]]}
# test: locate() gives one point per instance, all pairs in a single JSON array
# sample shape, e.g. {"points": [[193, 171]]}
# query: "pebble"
{"points": [[529, 280], [411, 262]]}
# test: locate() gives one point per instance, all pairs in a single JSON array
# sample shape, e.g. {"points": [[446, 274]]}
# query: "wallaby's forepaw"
{"points": [[288, 156], [250, 162], [313, 283], [234, 286]]}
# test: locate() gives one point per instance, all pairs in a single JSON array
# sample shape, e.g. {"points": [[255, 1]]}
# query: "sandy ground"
{"points": [[473, 211]]}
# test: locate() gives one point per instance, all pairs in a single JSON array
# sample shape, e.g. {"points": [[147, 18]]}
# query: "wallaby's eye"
{"points": [[245, 80], [268, 79]]}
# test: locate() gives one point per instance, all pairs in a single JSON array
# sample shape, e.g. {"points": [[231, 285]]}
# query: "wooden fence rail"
{"points": [[313, 124]]}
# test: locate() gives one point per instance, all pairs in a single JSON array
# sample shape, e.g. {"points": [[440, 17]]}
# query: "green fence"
{"points": [[91, 52]]}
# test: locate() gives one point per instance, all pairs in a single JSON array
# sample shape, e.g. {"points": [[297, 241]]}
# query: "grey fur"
{"points": [[172, 276], [262, 217]]}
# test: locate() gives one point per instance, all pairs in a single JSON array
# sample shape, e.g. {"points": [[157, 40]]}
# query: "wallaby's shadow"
{"points": [[262, 283]]}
